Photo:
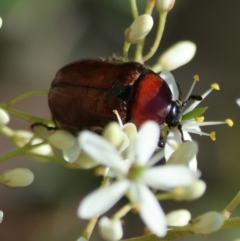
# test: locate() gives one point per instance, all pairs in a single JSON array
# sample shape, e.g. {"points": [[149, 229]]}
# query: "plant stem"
{"points": [[25, 116], [161, 26], [126, 49], [26, 95], [231, 206], [134, 8], [92, 222]]}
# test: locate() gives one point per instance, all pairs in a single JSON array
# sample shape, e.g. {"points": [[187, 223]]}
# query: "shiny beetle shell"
{"points": [[84, 94]]}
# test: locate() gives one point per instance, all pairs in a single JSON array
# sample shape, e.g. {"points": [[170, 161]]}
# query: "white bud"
{"points": [[164, 5], [191, 192], [113, 133], [22, 137], [110, 230], [238, 101], [1, 22], [207, 223], [1, 216], [61, 139], [130, 129], [19, 177], [177, 55], [82, 239], [4, 117], [84, 161], [178, 218], [141, 26]]}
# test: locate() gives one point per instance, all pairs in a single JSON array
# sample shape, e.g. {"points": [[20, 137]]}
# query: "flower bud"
{"points": [[177, 55], [207, 223], [191, 192], [61, 139], [21, 138], [84, 161], [178, 218], [238, 101], [1, 216], [1, 22], [141, 26], [110, 230], [4, 116], [113, 133], [19, 177], [82, 239], [164, 5]]}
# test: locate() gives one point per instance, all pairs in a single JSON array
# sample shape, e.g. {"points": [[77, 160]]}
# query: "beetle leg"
{"points": [[49, 128]]}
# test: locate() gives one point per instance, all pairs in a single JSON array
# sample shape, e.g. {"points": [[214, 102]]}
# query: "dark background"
{"points": [[39, 37]]}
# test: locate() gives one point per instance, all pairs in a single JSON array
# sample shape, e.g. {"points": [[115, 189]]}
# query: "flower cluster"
{"points": [[128, 157]]}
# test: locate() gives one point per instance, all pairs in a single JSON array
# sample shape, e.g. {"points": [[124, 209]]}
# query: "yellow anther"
{"points": [[196, 77], [213, 136], [229, 122], [215, 86], [199, 119]]}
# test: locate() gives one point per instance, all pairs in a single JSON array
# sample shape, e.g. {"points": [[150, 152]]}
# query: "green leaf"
{"points": [[194, 113]]}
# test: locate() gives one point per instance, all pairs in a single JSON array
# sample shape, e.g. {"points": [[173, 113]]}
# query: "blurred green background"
{"points": [[39, 37]]}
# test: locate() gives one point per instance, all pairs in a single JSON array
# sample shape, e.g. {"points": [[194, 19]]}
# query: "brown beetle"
{"points": [[84, 94]]}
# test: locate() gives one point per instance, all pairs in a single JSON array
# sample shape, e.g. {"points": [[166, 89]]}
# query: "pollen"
{"points": [[196, 77], [229, 122], [199, 119], [213, 135], [215, 86]]}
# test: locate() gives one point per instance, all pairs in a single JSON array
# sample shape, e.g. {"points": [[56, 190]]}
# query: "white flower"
{"points": [[110, 229], [133, 175], [174, 138], [138, 30]]}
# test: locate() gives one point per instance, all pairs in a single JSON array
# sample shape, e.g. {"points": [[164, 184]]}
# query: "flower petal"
{"points": [[101, 200], [147, 142], [168, 176], [101, 150], [168, 77], [71, 154], [150, 210], [172, 143]]}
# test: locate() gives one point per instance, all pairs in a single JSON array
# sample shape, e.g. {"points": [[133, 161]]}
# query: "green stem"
{"points": [[182, 232], [123, 211], [26, 95], [161, 26], [149, 7], [126, 49], [19, 152], [25, 116], [231, 206], [164, 196], [92, 222], [134, 9]]}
